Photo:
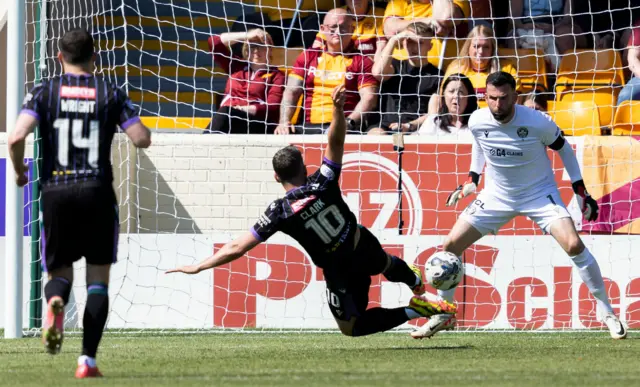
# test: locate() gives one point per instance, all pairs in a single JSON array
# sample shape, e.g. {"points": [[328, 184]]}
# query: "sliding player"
{"points": [[512, 140], [314, 213], [78, 114]]}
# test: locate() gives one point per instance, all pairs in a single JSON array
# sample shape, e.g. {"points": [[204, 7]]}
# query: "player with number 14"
{"points": [[78, 114]]}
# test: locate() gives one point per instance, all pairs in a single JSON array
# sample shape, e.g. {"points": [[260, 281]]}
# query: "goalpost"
{"points": [[13, 209], [190, 193]]}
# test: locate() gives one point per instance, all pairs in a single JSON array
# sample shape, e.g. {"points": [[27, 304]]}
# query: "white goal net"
{"points": [[190, 193]]}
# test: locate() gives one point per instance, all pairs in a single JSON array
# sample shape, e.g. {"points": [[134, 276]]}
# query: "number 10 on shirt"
{"points": [[321, 225]]}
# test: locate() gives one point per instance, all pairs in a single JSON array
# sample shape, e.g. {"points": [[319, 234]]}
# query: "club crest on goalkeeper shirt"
{"points": [[517, 164]]}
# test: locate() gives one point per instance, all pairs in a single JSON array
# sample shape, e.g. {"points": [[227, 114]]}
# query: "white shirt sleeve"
{"points": [[570, 162], [549, 131], [472, 119], [477, 158]]}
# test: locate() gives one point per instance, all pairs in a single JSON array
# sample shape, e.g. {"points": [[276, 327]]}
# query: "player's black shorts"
{"points": [[79, 220], [348, 277]]}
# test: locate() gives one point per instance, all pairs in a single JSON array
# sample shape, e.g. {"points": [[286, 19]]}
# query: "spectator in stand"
{"points": [[368, 36], [317, 72], [254, 89], [481, 13], [606, 23], [537, 101], [550, 16], [457, 102], [609, 24], [407, 84], [276, 17], [477, 59], [631, 91], [445, 16]]}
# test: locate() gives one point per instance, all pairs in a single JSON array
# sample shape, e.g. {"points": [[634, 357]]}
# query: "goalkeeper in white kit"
{"points": [[511, 140]]}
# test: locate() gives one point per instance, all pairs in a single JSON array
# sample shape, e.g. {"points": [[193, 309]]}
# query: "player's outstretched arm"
{"points": [[588, 205], [228, 253], [25, 124], [469, 187], [338, 128]]}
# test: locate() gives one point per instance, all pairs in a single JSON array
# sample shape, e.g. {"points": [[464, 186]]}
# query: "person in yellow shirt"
{"points": [[477, 59], [448, 18], [445, 16], [277, 16], [317, 72], [368, 36]]}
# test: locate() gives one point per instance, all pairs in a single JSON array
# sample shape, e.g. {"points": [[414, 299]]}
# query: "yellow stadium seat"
{"points": [[585, 69], [532, 68], [576, 118], [627, 119], [451, 49], [551, 106], [605, 98], [182, 123]]}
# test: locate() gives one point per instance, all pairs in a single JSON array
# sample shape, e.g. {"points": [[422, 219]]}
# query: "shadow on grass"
{"points": [[16, 351], [412, 348]]}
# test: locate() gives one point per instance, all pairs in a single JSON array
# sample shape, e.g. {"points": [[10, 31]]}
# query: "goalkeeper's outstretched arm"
{"points": [[588, 205], [338, 128], [227, 253], [469, 186]]}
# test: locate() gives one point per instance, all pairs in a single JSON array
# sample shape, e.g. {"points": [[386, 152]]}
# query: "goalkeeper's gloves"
{"points": [[588, 205], [464, 190]]}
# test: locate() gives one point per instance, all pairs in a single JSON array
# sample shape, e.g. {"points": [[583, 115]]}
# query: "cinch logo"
{"points": [[503, 152], [299, 204], [370, 186], [77, 92], [327, 75]]}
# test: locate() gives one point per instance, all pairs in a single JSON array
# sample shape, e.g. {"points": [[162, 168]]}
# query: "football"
{"points": [[443, 270]]}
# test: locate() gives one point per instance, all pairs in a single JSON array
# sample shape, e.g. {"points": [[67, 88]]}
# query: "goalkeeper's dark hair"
{"points": [[76, 46], [500, 78], [288, 163]]}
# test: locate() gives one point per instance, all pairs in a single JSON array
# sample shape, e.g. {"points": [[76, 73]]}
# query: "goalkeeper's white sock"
{"points": [[590, 273]]}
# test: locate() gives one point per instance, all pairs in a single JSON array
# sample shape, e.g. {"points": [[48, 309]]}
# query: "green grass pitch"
{"points": [[303, 359]]}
